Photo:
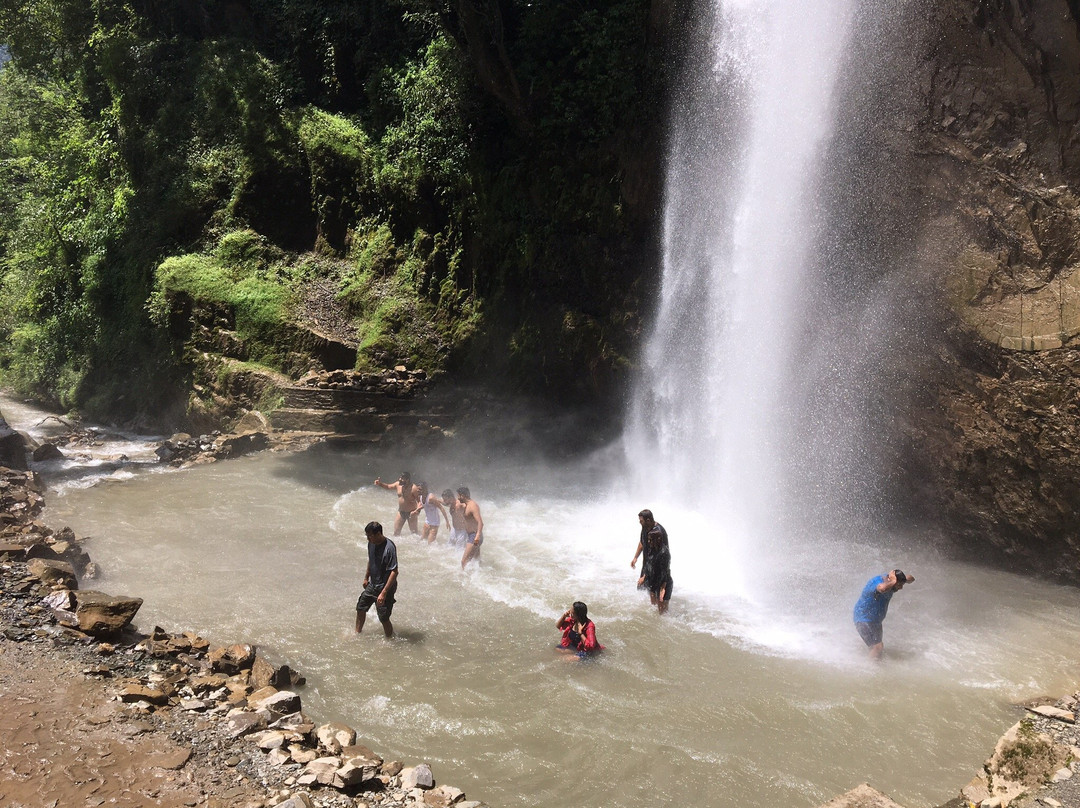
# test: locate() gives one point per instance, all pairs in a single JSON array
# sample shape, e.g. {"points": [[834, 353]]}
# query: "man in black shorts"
{"points": [[380, 580]]}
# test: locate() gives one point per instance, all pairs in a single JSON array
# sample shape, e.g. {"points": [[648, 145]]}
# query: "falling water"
{"points": [[748, 136]]}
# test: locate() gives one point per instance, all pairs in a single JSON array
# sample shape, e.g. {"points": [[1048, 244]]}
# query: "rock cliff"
{"points": [[978, 189]]}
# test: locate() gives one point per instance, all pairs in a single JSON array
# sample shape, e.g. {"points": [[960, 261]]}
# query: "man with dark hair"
{"points": [[474, 526], [380, 579], [408, 501], [873, 605], [645, 519]]}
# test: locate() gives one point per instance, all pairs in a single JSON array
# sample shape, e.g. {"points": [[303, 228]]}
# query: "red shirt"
{"points": [[587, 643]]}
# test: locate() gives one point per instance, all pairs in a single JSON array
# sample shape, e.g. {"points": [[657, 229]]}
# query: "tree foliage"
{"points": [[460, 161]]}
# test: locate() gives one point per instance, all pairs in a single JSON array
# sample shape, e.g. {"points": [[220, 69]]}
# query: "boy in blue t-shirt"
{"points": [[873, 605]]}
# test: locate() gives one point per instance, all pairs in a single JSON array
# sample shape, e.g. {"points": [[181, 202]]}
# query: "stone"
{"points": [[136, 693], [194, 705], [296, 801], [279, 704], [238, 445], [52, 572], [232, 659], [1050, 801], [278, 757], [171, 760], [417, 777], [1062, 774], [361, 751], [301, 754], [862, 796], [350, 775], [271, 739], [323, 769], [393, 768], [252, 421], [443, 796], [242, 723], [335, 736], [60, 599], [99, 613], [47, 451], [1054, 712]]}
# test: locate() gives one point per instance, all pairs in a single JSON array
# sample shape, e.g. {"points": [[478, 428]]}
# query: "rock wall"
{"points": [[994, 154]]}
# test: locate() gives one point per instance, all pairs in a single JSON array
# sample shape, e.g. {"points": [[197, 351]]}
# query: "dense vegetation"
{"points": [[472, 178]]}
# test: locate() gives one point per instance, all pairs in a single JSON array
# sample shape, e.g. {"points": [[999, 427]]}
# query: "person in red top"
{"points": [[579, 632]]}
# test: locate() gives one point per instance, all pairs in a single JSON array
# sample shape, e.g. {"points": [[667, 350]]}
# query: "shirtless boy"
{"points": [[407, 503], [458, 536], [474, 526]]}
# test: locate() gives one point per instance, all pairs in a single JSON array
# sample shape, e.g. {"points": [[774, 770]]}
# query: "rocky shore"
{"points": [[97, 712]]}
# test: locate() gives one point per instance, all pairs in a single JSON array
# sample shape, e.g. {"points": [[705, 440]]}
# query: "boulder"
{"points": [[417, 777], [300, 800], [443, 796], [237, 445], [99, 613], [279, 704], [351, 774], [232, 659], [335, 736], [242, 723], [12, 447], [137, 693], [53, 572], [47, 451], [252, 421], [60, 599], [321, 770]]}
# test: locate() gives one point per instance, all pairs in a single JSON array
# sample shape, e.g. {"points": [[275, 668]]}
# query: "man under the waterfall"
{"points": [[873, 605]]}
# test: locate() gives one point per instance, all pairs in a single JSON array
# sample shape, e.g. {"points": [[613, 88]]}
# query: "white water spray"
{"points": [[708, 426]]}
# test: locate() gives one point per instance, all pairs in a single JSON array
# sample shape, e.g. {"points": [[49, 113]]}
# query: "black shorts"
{"points": [[870, 633], [370, 596]]}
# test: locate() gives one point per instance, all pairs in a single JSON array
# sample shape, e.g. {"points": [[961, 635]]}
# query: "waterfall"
{"points": [[710, 422]]}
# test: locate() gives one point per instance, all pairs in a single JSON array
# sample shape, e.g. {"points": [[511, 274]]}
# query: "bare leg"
{"points": [[876, 651], [360, 621], [661, 605], [388, 629], [413, 522], [399, 522], [471, 549]]}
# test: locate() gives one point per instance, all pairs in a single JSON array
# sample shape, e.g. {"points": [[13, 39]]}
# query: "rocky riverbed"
{"points": [[97, 712]]}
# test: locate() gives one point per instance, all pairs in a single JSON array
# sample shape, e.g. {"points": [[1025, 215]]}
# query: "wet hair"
{"points": [[581, 611], [372, 528], [463, 492], [405, 476], [900, 577], [646, 514], [423, 489], [448, 493], [656, 531]]}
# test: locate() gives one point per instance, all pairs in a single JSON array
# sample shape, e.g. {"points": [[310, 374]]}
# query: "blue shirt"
{"points": [[872, 605]]}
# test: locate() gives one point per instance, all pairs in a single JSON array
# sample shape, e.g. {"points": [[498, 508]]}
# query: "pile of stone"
{"points": [[397, 383], [183, 450]]}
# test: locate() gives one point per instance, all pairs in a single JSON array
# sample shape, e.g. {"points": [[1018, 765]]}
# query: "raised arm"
{"points": [[588, 637], [387, 486]]}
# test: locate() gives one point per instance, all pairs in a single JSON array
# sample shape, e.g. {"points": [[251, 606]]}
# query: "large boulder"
{"points": [[233, 658], [12, 447], [99, 613]]}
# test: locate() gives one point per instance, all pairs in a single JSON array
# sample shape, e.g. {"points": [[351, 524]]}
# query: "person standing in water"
{"points": [[645, 519], [432, 507], [458, 536], [380, 579], [474, 526], [873, 605], [656, 570], [408, 501], [579, 632]]}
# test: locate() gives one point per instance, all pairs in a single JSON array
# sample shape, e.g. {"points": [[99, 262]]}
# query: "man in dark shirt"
{"points": [[380, 579], [645, 519]]}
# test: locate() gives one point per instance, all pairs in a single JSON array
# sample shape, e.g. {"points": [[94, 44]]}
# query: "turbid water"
{"points": [[752, 691]]}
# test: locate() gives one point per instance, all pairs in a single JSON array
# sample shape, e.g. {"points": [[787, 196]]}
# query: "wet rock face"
{"points": [[988, 444]]}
